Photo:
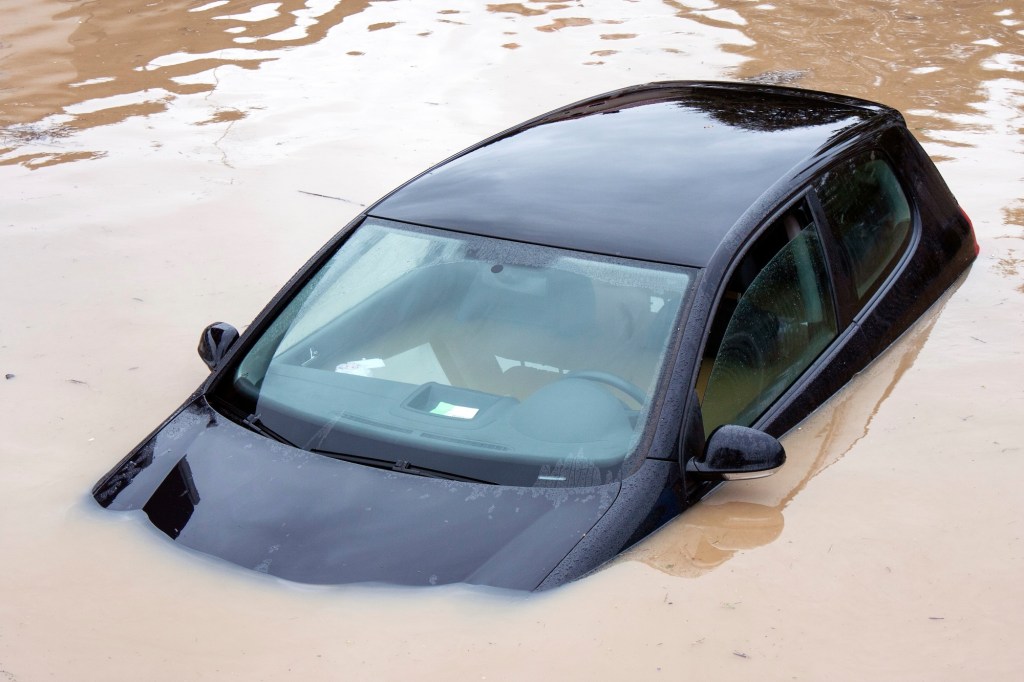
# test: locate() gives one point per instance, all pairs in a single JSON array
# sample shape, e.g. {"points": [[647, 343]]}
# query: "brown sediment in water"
{"points": [[134, 211], [58, 54]]}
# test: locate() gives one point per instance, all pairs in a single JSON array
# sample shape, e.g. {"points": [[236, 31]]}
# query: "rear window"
{"points": [[870, 218]]}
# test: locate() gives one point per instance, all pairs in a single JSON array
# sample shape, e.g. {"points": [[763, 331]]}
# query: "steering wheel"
{"points": [[612, 380]]}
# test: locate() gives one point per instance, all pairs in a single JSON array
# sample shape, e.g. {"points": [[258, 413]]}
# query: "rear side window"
{"points": [[870, 218]]}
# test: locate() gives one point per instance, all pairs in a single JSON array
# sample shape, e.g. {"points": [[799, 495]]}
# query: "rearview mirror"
{"points": [[736, 452], [215, 343]]}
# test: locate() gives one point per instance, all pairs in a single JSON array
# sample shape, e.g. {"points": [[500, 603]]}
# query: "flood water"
{"points": [[160, 162]]}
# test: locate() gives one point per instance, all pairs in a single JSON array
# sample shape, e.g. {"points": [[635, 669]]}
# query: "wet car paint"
{"points": [[799, 144], [219, 488], [942, 514], [659, 172]]}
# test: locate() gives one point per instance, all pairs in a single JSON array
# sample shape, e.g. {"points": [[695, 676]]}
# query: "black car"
{"points": [[535, 353]]}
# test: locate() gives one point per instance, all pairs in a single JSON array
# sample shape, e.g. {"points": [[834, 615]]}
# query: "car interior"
{"points": [[777, 314], [472, 354], [775, 317], [870, 217]]}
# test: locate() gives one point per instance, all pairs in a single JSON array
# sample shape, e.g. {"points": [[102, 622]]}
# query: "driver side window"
{"points": [[775, 318]]}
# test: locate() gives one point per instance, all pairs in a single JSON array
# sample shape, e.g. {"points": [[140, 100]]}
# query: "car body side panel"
{"points": [[219, 488], [730, 250], [941, 249], [938, 255], [649, 498]]}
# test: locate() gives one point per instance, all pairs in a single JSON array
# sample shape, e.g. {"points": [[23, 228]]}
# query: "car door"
{"points": [[776, 316], [797, 292]]}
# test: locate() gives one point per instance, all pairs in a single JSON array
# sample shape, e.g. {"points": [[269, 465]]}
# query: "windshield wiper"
{"points": [[400, 466], [254, 423], [405, 467]]}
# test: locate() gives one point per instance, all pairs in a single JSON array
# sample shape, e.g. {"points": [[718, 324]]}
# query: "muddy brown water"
{"points": [[156, 160]]}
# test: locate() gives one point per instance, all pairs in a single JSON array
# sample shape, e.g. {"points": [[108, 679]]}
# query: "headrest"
{"points": [[558, 301]]}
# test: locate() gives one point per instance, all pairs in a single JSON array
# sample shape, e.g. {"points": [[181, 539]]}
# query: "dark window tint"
{"points": [[780, 322], [870, 217]]}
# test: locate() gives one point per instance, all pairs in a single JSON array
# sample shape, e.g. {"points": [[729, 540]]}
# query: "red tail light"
{"points": [[977, 246]]}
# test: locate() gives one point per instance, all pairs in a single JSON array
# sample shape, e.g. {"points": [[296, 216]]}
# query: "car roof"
{"points": [[659, 172]]}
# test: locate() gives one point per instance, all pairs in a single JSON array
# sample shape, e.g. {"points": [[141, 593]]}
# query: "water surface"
{"points": [[159, 166]]}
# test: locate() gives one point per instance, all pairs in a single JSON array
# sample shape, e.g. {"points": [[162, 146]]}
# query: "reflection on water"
{"points": [[708, 535], [80, 64], [745, 515], [1011, 266], [933, 60], [67, 66], [114, 265]]}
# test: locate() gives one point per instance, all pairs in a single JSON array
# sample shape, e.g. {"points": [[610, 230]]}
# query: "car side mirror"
{"points": [[215, 343], [737, 452]]}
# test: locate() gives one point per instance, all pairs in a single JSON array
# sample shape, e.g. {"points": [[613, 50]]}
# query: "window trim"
{"points": [[889, 145], [853, 310], [807, 194], [843, 297]]}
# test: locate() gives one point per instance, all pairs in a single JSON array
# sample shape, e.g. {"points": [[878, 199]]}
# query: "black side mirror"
{"points": [[736, 452], [215, 343]]}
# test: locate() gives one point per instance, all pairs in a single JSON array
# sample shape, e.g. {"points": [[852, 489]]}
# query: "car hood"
{"points": [[221, 489]]}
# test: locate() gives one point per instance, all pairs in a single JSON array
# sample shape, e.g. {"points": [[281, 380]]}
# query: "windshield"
{"points": [[483, 359]]}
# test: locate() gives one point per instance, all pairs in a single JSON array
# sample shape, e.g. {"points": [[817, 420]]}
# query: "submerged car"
{"points": [[532, 355]]}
